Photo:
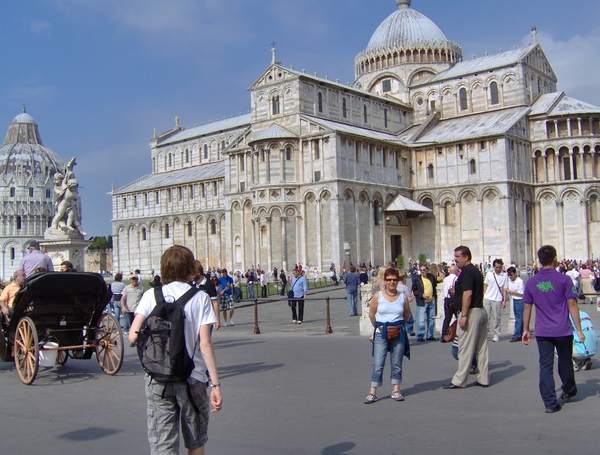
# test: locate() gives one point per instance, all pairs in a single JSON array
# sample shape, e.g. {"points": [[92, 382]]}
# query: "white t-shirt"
{"points": [[573, 274], [517, 286], [493, 292], [198, 312]]}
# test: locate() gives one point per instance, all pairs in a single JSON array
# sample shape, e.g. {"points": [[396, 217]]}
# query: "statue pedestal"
{"points": [[65, 249]]}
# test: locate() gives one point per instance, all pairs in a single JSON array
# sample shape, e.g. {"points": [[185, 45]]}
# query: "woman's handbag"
{"points": [[393, 331], [450, 333]]}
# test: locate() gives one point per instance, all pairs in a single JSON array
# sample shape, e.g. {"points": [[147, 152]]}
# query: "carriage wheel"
{"points": [[26, 351], [109, 344], [62, 357]]}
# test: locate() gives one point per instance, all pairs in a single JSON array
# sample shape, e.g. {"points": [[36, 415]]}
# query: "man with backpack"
{"points": [[179, 391]]}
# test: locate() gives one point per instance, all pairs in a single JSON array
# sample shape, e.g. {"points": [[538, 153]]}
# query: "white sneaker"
{"points": [[496, 339], [299, 322], [231, 322], [224, 324], [294, 321]]}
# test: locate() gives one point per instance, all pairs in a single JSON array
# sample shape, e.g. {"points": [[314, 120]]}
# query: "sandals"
{"points": [[397, 396], [371, 398]]}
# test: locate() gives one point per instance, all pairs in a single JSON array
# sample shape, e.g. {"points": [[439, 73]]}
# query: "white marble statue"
{"points": [[67, 219]]}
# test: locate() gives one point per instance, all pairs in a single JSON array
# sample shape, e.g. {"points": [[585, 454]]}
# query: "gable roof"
{"points": [[208, 171], [353, 130], [274, 132], [209, 129], [480, 65], [469, 127]]}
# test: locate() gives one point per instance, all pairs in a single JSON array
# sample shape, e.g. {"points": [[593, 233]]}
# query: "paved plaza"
{"points": [[295, 390]]}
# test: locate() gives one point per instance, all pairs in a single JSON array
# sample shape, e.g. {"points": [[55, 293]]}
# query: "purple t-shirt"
{"points": [[549, 291]]}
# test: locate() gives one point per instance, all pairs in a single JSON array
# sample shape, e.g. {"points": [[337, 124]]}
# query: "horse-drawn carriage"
{"points": [[61, 312]]}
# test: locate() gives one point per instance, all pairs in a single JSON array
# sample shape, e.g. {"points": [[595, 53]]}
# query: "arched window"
{"points": [[365, 117], [344, 108], [189, 228], [385, 118], [223, 145], [494, 93], [430, 171], [472, 167], [187, 156], [205, 151], [47, 194], [463, 99], [428, 202], [275, 105], [288, 153], [18, 222], [12, 192], [12, 254], [213, 227], [143, 233], [320, 102], [170, 160], [167, 231]]}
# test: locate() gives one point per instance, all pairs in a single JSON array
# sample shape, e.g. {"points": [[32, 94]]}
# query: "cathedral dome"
{"points": [[406, 36], [23, 156], [405, 28]]}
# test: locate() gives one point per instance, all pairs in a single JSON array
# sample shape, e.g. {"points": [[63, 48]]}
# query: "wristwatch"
{"points": [[462, 315]]}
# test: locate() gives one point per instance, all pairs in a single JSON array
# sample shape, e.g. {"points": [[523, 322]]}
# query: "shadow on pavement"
{"points": [[236, 370], [89, 433], [338, 449]]}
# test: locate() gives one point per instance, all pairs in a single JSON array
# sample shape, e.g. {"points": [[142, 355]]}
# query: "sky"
{"points": [[99, 75]]}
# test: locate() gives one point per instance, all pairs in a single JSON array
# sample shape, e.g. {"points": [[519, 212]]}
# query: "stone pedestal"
{"points": [[66, 249], [366, 328]]}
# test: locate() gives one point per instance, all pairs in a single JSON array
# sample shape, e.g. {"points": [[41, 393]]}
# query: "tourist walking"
{"points": [[298, 288], [352, 282], [424, 288], [552, 294], [515, 289]]}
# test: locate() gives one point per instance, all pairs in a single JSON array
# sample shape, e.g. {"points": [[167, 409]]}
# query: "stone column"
{"points": [[561, 228], [284, 239], [319, 234], [269, 251], [366, 328], [573, 163], [268, 167], [556, 129]]}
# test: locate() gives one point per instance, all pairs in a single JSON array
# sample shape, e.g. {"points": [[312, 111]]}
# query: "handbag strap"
{"points": [[497, 284]]}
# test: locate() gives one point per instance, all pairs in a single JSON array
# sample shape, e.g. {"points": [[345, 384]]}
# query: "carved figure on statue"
{"points": [[67, 218]]}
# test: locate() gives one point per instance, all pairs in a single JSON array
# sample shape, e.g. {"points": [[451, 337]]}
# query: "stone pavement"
{"points": [[295, 390]]}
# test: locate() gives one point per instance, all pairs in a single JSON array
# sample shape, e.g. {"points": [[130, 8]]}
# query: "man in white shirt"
{"points": [[574, 275], [494, 296], [448, 293], [516, 288]]}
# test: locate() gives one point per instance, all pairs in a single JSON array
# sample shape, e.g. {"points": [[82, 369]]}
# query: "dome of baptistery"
{"points": [[406, 36], [26, 190], [22, 155]]}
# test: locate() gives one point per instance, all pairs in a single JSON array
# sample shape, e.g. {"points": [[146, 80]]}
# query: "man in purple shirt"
{"points": [[554, 298], [35, 260]]}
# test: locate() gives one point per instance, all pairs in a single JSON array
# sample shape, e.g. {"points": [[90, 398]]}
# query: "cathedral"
{"points": [[423, 152]]}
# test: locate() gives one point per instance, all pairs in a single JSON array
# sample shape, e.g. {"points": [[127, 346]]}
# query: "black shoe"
{"points": [[412, 334], [432, 339], [567, 396], [485, 386], [450, 386], [556, 408], [515, 340], [420, 340]]}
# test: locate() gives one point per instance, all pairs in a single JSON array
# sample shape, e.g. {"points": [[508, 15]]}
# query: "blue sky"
{"points": [[99, 75]]}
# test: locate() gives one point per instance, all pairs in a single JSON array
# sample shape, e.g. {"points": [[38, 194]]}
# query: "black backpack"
{"points": [[161, 340]]}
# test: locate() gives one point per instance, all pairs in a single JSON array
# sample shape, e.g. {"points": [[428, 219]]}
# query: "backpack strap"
{"points": [[181, 301]]}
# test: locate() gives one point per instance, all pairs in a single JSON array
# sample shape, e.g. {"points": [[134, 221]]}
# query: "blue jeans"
{"points": [[410, 324], [518, 307], [381, 346], [426, 314], [564, 351], [454, 351], [251, 291], [283, 286], [117, 309], [352, 297]]}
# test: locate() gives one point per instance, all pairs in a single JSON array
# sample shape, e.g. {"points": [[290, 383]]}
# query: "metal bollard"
{"points": [[256, 329], [328, 329]]}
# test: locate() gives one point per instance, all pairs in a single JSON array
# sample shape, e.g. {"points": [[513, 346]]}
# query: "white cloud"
{"points": [[38, 26], [576, 63]]}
